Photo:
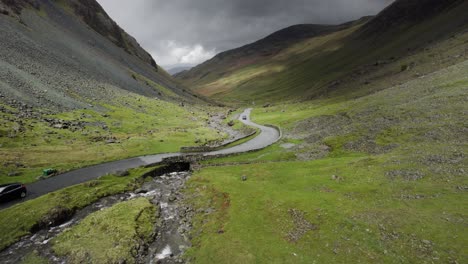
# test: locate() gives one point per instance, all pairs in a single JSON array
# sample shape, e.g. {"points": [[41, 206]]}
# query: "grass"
{"points": [[112, 235], [139, 125], [360, 218], [16, 223], [34, 258], [389, 189], [339, 65]]}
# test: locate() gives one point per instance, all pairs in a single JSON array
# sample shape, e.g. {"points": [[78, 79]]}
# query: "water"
{"points": [[172, 239], [173, 224]]}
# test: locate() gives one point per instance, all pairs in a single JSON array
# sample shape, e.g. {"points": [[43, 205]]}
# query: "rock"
{"points": [[111, 141], [122, 173], [209, 211], [231, 123], [4, 11], [244, 178], [172, 197], [409, 175], [54, 217], [141, 190], [426, 242], [336, 178], [14, 173]]}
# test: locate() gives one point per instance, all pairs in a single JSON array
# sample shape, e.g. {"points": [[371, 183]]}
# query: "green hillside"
{"points": [[376, 179], [91, 95], [347, 62], [371, 167], [372, 164]]}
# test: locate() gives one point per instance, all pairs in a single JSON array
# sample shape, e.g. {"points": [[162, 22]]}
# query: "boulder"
{"points": [[122, 173], [14, 173]]}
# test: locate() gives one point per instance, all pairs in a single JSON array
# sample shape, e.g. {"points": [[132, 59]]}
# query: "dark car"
{"points": [[244, 117], [12, 191]]}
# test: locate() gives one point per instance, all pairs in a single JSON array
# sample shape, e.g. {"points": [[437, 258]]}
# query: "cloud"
{"points": [[171, 54], [197, 28]]}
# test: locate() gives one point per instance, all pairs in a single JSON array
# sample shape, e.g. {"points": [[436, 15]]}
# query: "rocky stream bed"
{"points": [[173, 224]]}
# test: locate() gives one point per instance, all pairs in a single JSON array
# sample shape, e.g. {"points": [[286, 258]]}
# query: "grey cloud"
{"points": [[218, 25]]}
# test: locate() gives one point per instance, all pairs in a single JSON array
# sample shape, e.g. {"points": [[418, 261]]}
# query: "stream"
{"points": [[163, 191], [173, 224]]}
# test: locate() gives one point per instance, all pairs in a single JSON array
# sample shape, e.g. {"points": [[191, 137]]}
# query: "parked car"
{"points": [[12, 191], [244, 117]]}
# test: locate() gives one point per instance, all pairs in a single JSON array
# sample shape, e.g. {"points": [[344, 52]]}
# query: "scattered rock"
{"points": [[336, 178], [111, 141], [56, 216], [231, 123], [172, 197], [301, 225], [4, 11], [141, 190], [287, 145], [14, 173], [92, 184], [409, 175], [244, 178], [426, 242], [122, 173]]}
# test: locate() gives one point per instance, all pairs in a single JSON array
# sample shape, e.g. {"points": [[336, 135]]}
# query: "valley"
{"points": [[333, 143]]}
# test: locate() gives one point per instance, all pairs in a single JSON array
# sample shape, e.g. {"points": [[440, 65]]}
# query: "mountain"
{"points": [[176, 70], [347, 60], [261, 50], [65, 54], [77, 90]]}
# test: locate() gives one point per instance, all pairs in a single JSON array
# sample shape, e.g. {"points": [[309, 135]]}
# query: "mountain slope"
{"points": [[64, 54], [76, 90], [176, 70], [358, 59], [256, 52], [370, 169]]}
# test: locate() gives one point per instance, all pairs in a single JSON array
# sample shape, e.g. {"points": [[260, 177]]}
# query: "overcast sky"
{"points": [[188, 32]]}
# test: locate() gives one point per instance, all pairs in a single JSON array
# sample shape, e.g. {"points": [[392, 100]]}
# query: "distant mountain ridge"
{"points": [[176, 70], [266, 47], [306, 61]]}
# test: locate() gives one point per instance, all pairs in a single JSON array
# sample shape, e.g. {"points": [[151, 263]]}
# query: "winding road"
{"points": [[268, 136]]}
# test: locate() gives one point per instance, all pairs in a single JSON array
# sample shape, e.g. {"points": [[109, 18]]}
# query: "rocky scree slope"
{"points": [[70, 54]]}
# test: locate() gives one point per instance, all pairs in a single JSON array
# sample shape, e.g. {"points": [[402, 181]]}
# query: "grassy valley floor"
{"points": [[121, 128], [379, 179]]}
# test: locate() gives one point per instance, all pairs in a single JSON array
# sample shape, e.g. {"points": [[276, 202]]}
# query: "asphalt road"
{"points": [[267, 137]]}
